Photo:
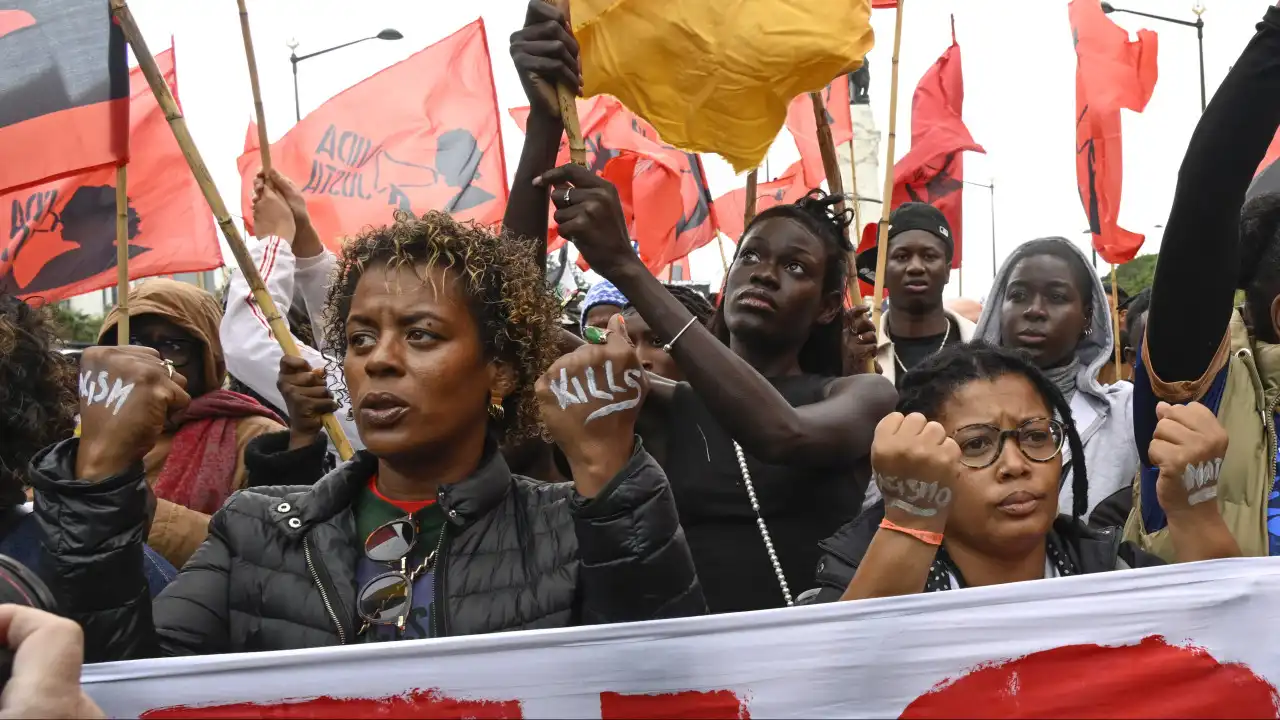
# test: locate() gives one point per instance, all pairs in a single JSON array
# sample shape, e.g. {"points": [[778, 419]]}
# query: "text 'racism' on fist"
{"points": [[127, 394], [915, 465], [1188, 446], [590, 400]]}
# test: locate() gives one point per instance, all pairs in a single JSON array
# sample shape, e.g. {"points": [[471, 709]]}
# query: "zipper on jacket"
{"points": [[1271, 463], [324, 596], [438, 589]]}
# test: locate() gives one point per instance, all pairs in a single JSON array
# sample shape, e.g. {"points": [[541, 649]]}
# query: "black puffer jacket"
{"points": [[279, 568]]}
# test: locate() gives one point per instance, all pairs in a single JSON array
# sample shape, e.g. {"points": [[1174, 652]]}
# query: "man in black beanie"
{"points": [[916, 324]]}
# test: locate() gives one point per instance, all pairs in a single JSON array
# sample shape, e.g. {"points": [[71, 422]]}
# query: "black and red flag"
{"points": [[1112, 72], [64, 90], [933, 170]]}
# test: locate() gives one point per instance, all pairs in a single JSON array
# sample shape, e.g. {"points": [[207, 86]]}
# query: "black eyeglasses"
{"points": [[388, 598], [178, 352], [1038, 439]]}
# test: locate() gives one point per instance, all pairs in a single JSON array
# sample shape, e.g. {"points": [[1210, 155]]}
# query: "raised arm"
{"points": [[1200, 255], [544, 53], [835, 431]]}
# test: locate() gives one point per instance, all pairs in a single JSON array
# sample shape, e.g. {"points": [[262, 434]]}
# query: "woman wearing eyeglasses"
{"points": [[447, 337], [199, 460], [969, 469]]}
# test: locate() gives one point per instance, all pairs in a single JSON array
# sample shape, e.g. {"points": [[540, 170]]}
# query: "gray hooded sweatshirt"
{"points": [[1103, 413]]}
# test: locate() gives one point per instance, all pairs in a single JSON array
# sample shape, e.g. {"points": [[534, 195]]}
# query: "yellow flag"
{"points": [[717, 75]]}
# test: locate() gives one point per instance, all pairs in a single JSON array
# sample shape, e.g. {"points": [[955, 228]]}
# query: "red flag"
{"points": [[421, 135], [800, 122], [890, 4], [62, 235], [933, 170], [64, 91], [731, 207], [663, 190], [1111, 73]]}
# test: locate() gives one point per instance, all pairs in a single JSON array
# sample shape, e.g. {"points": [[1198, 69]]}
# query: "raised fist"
{"points": [[590, 399], [127, 394], [914, 464], [1188, 446]]}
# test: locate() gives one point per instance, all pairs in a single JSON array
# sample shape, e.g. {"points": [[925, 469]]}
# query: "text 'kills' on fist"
{"points": [[1188, 446], [590, 400], [914, 464], [127, 394]]}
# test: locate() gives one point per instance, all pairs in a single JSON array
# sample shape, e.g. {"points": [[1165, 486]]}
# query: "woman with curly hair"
{"points": [[37, 407], [446, 335]]}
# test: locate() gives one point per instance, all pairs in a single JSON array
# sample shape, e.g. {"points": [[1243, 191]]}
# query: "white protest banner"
{"points": [[1192, 641]]}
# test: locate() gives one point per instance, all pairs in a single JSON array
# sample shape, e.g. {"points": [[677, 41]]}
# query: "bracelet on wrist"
{"points": [[924, 536]]}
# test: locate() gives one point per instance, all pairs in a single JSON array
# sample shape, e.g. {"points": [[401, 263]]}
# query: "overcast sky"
{"points": [[1019, 72]]}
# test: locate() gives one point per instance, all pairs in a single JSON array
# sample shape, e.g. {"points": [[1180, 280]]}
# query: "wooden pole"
{"points": [[724, 260], [178, 124], [263, 146], [827, 147], [1115, 322], [749, 202], [882, 254], [122, 257], [567, 99], [854, 196]]}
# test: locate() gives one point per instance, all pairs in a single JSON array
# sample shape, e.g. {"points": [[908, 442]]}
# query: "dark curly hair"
{"points": [[37, 392], [1259, 274], [517, 313], [822, 354], [927, 387]]}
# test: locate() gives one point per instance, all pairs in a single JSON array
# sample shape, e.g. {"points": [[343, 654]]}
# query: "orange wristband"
{"points": [[928, 538]]}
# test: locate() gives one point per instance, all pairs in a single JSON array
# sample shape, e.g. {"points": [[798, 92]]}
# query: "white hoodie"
{"points": [[252, 353], [1103, 414]]}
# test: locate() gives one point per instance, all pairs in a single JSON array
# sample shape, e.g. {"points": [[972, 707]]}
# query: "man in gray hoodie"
{"points": [[1047, 301]]}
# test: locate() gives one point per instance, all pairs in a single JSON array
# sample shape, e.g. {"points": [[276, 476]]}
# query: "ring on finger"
{"points": [[566, 195], [168, 365]]}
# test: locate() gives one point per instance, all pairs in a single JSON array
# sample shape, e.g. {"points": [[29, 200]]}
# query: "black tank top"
{"points": [[800, 505]]}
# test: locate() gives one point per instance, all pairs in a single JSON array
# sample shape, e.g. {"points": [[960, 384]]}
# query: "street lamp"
{"points": [[388, 34], [1198, 9]]}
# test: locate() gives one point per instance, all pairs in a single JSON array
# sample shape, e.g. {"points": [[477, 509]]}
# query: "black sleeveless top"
{"points": [[801, 505]]}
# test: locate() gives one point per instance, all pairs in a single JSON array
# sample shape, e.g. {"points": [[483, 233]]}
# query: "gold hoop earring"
{"points": [[496, 411]]}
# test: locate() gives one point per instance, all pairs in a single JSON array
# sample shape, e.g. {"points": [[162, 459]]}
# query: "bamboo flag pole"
{"points": [[1115, 321], [749, 202], [122, 257], [886, 207], [835, 183], [567, 99], [854, 196], [263, 146], [724, 260], [178, 124]]}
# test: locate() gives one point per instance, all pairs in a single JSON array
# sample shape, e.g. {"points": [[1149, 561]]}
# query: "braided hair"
{"points": [[928, 386], [692, 300], [822, 353]]}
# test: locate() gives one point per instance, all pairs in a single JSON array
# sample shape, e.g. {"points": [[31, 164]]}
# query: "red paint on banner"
{"points": [[691, 705], [415, 704], [1149, 680]]}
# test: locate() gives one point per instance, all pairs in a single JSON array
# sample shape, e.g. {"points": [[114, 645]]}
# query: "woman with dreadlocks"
{"points": [[764, 439], [969, 469], [443, 330]]}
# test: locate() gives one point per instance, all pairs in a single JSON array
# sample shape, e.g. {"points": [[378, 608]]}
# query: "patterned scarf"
{"points": [[201, 464], [944, 569]]}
